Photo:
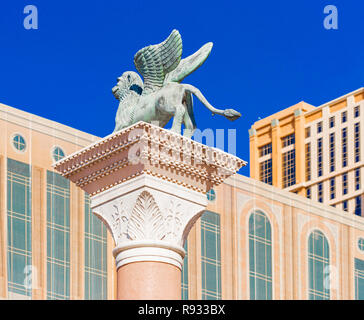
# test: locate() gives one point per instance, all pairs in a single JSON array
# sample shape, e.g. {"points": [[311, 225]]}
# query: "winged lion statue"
{"points": [[161, 96]]}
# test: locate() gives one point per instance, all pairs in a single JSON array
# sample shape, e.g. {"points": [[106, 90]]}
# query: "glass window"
{"points": [[19, 142], [318, 266], [332, 189], [308, 132], [260, 257], [345, 205], [308, 193], [266, 171], [357, 142], [320, 189], [210, 256], [356, 111], [359, 279], [288, 140], [58, 154], [358, 206], [344, 117], [184, 275], [267, 149], [319, 157], [308, 161], [211, 195], [345, 183], [357, 179], [19, 215], [58, 237], [289, 168], [332, 152], [344, 142], [361, 244], [332, 122], [95, 255], [319, 127]]}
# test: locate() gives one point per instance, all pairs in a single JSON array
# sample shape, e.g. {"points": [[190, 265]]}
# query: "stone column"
{"points": [[148, 186]]}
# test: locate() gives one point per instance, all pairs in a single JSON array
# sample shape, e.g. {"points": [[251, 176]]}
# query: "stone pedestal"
{"points": [[148, 185]]}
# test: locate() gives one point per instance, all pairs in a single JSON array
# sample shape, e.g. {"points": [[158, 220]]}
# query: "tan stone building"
{"points": [[255, 241], [314, 151]]}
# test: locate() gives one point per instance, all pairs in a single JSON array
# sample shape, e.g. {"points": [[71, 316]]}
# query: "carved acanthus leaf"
{"points": [[146, 220]]}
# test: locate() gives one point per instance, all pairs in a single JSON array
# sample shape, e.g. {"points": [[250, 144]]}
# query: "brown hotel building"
{"points": [[255, 241]]}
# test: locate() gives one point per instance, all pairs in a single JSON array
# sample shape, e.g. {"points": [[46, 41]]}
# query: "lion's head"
{"points": [[129, 81]]}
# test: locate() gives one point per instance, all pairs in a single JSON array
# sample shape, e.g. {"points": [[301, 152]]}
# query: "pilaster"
{"points": [[77, 253], [39, 232], [299, 122], [276, 154], [254, 154]]}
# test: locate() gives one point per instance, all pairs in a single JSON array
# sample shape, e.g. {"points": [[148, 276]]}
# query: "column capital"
{"points": [[148, 185], [149, 218]]}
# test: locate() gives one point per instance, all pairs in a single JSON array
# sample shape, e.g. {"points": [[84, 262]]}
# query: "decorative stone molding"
{"points": [[148, 149], [148, 212], [148, 185]]}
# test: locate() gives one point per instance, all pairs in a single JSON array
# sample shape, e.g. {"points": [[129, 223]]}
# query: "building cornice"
{"points": [[45, 126], [147, 149]]}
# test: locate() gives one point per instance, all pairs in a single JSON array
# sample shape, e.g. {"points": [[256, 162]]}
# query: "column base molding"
{"points": [[157, 251]]}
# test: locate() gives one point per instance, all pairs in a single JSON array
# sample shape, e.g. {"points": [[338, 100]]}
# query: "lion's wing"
{"points": [[189, 64], [156, 61]]}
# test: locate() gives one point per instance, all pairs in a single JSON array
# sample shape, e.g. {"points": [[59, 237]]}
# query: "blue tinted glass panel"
{"points": [[95, 255], [210, 256], [19, 248], [260, 257]]}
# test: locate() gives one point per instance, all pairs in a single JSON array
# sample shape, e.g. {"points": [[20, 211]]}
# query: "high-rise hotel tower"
{"points": [[316, 152]]}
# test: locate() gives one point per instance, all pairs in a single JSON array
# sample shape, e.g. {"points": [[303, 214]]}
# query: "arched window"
{"points": [[57, 153], [260, 257], [318, 266]]}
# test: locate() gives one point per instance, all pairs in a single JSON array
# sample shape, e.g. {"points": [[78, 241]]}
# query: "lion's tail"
{"points": [[230, 114]]}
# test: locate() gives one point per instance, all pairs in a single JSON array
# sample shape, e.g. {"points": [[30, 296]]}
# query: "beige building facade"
{"points": [[316, 152], [255, 241]]}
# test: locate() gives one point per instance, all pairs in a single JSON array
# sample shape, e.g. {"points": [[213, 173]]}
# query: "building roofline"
{"points": [[41, 124], [306, 107], [336, 100], [310, 109]]}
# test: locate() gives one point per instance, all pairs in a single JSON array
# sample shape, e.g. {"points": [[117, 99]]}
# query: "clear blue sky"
{"points": [[267, 55]]}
